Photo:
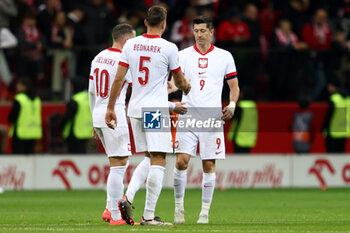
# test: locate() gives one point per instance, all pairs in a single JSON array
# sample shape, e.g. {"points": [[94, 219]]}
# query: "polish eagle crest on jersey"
{"points": [[203, 62]]}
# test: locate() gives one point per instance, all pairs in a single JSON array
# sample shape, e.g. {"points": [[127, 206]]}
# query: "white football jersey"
{"points": [[149, 58], [102, 74], [207, 73]]}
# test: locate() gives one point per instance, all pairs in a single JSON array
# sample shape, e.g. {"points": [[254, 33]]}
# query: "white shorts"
{"points": [[211, 144], [116, 142], [150, 141]]}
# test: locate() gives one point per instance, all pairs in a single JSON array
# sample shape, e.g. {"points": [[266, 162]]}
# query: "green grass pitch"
{"points": [[233, 210]]}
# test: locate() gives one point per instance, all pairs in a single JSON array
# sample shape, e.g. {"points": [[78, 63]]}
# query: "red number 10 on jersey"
{"points": [[102, 79]]}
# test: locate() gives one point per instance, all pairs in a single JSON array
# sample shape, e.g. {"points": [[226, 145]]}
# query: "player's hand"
{"points": [[227, 113], [180, 108], [111, 119], [94, 134]]}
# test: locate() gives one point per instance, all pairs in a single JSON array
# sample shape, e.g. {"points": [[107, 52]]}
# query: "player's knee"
{"points": [[181, 164]]}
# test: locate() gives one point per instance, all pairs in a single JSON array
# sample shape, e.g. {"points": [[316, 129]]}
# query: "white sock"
{"points": [[115, 189], [180, 181], [153, 188], [108, 202], [138, 178], [208, 186]]}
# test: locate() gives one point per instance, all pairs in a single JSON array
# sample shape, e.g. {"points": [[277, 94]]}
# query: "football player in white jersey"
{"points": [[115, 142], [149, 59], [207, 67]]}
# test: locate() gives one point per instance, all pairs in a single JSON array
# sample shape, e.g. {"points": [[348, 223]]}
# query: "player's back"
{"points": [[103, 70], [149, 58]]}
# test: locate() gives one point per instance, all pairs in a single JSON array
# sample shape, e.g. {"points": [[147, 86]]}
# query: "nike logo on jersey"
{"points": [[218, 152], [200, 73], [207, 186]]}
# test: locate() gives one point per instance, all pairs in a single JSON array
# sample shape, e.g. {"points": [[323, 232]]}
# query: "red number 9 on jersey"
{"points": [[143, 69]]}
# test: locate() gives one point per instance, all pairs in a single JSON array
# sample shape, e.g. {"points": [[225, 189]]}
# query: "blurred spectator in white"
{"points": [[63, 59], [182, 31], [7, 40], [7, 9], [31, 44]]}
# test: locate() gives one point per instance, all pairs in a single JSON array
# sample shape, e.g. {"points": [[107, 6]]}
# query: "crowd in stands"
{"points": [[284, 50]]}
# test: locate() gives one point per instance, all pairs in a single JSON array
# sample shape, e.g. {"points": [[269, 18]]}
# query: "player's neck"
{"points": [[203, 48], [154, 31], [117, 46]]}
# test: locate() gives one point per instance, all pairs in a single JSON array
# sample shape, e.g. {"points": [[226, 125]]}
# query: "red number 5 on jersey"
{"points": [[144, 69]]}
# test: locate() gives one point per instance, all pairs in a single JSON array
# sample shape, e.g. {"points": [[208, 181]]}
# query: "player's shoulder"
{"points": [[221, 52], [187, 50], [168, 45]]}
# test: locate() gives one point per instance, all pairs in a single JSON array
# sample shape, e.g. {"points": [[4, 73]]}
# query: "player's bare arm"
{"points": [[111, 118], [181, 82], [234, 94], [171, 86]]}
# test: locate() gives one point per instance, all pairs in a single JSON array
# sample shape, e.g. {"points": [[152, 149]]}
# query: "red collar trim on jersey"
{"points": [[150, 36], [209, 50], [114, 50]]}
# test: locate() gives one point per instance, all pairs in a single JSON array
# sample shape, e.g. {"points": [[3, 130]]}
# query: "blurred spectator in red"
{"points": [[317, 34], [252, 20], [31, 43], [46, 16], [182, 31], [63, 61], [233, 31]]}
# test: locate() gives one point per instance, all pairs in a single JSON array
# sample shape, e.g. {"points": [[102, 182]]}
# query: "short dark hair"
{"points": [[121, 30], [204, 19], [156, 15]]}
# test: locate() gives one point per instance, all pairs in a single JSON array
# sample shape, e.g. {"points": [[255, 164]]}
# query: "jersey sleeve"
{"points": [[230, 71], [182, 61], [173, 59], [124, 59]]}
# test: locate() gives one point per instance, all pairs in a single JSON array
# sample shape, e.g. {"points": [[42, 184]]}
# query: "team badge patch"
{"points": [[202, 62]]}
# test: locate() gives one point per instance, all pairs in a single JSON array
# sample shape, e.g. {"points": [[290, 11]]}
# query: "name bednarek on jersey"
{"points": [[155, 120]]}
